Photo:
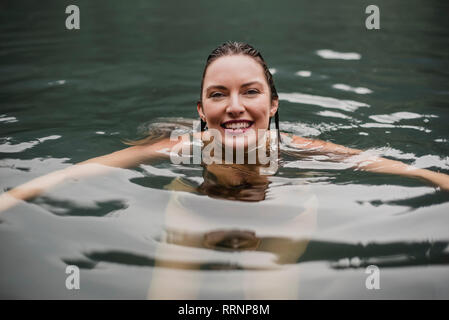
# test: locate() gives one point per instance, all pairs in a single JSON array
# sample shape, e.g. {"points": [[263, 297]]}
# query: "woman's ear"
{"points": [[274, 106], [199, 108]]}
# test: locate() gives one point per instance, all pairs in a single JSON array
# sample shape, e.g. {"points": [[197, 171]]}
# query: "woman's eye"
{"points": [[216, 95], [252, 91]]}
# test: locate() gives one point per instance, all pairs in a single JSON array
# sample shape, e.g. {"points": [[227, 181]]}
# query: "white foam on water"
{"points": [[333, 114], [303, 73], [330, 54], [326, 102], [57, 83], [5, 119], [345, 87], [14, 148], [395, 117]]}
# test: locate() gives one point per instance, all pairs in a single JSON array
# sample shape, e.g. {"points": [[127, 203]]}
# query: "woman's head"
{"points": [[237, 92]]}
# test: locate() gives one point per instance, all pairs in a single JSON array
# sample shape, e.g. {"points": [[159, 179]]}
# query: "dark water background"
{"points": [[66, 96]]}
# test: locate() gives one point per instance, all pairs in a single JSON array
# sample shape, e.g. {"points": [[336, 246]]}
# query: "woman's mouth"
{"points": [[237, 126]]}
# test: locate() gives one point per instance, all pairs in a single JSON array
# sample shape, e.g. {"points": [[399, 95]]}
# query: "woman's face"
{"points": [[236, 99]]}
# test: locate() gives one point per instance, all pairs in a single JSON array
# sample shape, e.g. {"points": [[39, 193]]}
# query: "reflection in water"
{"points": [[325, 102], [234, 182], [231, 240], [345, 87], [414, 202], [385, 255], [339, 255], [250, 241], [71, 208], [8, 147], [188, 277], [240, 240], [250, 246], [282, 250], [330, 54]]}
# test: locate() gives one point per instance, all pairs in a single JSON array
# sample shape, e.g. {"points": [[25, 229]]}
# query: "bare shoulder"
{"points": [[319, 146], [135, 155], [303, 142], [164, 146]]}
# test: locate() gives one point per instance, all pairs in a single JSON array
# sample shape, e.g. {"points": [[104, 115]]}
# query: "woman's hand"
{"points": [[441, 180], [383, 165]]}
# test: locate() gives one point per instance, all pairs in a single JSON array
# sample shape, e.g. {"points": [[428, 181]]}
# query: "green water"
{"points": [[67, 96]]}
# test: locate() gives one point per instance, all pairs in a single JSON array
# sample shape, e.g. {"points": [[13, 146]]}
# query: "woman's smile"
{"points": [[239, 126]]}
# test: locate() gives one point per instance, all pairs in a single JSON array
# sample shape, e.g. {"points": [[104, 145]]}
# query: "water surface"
{"points": [[67, 96]]}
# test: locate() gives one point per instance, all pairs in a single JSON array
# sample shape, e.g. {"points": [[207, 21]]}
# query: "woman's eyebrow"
{"points": [[251, 83], [216, 87], [224, 88]]}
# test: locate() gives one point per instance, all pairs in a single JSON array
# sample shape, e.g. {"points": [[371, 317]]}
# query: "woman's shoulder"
{"points": [[317, 145], [290, 138]]}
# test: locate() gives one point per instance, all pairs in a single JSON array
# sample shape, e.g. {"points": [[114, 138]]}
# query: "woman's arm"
{"points": [[134, 156], [315, 146], [373, 164], [383, 165], [126, 158]]}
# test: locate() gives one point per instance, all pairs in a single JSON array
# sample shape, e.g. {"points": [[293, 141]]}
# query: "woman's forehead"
{"points": [[234, 68]]}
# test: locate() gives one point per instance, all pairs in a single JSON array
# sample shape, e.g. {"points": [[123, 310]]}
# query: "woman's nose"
{"points": [[235, 106]]}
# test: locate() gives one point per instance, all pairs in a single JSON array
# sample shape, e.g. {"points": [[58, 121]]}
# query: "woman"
{"points": [[237, 95]]}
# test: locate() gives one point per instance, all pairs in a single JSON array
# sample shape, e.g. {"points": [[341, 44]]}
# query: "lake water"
{"points": [[67, 96]]}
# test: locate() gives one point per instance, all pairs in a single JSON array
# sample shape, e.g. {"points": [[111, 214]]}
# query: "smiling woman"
{"points": [[237, 92], [271, 218], [233, 105], [238, 95]]}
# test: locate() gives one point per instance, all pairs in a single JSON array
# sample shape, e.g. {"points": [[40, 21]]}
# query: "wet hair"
{"points": [[235, 48]]}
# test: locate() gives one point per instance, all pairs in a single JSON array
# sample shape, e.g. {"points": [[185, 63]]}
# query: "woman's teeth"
{"points": [[237, 125]]}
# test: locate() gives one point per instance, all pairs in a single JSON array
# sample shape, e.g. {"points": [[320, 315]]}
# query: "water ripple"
{"points": [[345, 87], [15, 148], [303, 73], [5, 119], [326, 102], [330, 54], [398, 116]]}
